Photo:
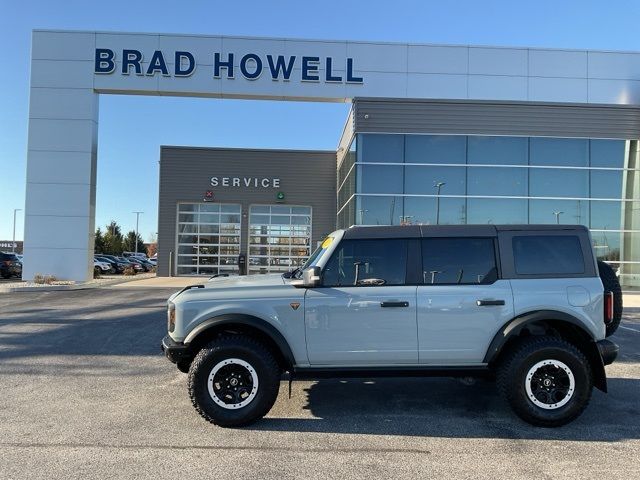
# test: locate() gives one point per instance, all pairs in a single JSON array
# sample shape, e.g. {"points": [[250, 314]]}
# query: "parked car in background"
{"points": [[10, 265], [134, 254], [101, 267], [154, 260], [136, 266], [117, 265], [147, 263], [146, 266]]}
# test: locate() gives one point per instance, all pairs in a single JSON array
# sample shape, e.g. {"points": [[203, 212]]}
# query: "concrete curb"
{"points": [[78, 286]]}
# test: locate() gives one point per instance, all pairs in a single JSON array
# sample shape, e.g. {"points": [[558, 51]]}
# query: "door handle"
{"points": [[489, 303], [394, 304]]}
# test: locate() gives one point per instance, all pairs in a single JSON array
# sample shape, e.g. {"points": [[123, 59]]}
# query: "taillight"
{"points": [[608, 307], [7, 262]]}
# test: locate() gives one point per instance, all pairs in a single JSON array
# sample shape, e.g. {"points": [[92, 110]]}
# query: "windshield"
{"points": [[311, 261]]}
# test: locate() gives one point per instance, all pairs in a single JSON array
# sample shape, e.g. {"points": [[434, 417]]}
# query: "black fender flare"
{"points": [[516, 325], [249, 320]]}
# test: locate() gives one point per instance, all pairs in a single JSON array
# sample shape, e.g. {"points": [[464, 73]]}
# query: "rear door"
{"points": [[364, 313], [462, 302]]}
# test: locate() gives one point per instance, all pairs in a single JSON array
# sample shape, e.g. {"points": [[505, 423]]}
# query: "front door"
{"points": [[363, 314], [462, 303]]}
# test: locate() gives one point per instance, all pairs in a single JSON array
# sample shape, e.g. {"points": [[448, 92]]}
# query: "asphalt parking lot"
{"points": [[86, 393]]}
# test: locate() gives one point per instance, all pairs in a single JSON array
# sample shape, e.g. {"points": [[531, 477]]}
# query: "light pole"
{"points": [[137, 218], [557, 214], [13, 242], [362, 211], [438, 185]]}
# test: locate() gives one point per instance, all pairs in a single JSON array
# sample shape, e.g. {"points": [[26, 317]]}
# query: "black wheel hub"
{"points": [[550, 384], [232, 384]]}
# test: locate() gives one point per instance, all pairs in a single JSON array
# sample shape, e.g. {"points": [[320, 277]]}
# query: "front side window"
{"points": [[548, 255], [367, 263], [458, 261]]}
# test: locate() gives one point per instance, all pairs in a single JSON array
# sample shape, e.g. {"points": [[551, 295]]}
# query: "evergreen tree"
{"points": [[99, 242], [129, 243], [113, 239]]}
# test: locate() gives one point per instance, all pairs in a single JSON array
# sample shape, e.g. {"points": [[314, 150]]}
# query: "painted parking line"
{"points": [[629, 328]]}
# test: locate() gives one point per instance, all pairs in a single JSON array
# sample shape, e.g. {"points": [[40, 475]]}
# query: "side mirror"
{"points": [[310, 277]]}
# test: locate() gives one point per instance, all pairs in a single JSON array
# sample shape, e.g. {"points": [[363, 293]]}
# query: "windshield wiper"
{"points": [[292, 273]]}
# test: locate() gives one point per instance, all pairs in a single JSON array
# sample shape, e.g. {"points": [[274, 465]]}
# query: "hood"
{"points": [[238, 284], [246, 281]]}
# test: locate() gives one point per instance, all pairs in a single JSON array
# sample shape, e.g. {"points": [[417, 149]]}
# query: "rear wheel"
{"points": [[546, 381], [233, 381], [612, 284]]}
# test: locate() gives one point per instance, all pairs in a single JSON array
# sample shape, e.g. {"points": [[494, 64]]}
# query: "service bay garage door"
{"points": [[279, 237]]}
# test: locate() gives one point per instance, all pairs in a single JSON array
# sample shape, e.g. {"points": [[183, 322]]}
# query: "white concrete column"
{"points": [[61, 157]]}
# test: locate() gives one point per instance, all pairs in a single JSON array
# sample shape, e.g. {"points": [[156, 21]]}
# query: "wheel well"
{"points": [[555, 328], [568, 331], [215, 331]]}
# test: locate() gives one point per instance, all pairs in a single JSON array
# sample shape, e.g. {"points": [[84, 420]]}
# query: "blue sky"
{"points": [[133, 128]]}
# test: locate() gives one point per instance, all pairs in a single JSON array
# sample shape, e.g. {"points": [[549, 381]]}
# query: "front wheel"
{"points": [[233, 381], [546, 381]]}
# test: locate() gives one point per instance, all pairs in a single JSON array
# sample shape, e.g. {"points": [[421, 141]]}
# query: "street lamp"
{"points": [[557, 214], [137, 218], [13, 242], [438, 185], [362, 211]]}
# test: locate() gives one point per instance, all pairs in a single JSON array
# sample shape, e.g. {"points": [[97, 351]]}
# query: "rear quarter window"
{"points": [[548, 255]]}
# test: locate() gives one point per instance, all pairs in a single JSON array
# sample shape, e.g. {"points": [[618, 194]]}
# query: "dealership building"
{"points": [[436, 134]]}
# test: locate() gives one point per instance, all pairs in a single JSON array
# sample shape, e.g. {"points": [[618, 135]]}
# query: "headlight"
{"points": [[171, 317]]}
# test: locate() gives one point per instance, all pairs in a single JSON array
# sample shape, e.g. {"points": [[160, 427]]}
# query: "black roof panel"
{"points": [[418, 231]]}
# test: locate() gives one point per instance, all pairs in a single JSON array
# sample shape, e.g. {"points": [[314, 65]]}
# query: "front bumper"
{"points": [[608, 351], [175, 351]]}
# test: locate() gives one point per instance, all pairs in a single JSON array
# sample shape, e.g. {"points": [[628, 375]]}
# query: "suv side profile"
{"points": [[524, 304]]}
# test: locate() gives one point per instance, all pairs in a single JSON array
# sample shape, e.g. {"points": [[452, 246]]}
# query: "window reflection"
{"points": [[547, 182], [496, 211], [585, 193], [497, 181], [607, 153], [559, 151], [382, 210], [422, 180], [379, 179], [435, 149], [380, 148], [567, 212], [424, 211], [606, 215], [498, 150]]}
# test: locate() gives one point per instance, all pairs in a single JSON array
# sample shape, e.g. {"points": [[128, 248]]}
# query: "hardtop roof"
{"points": [[419, 231]]}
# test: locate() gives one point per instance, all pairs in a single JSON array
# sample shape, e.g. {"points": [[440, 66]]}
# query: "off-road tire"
{"points": [[513, 370], [248, 350], [612, 284]]}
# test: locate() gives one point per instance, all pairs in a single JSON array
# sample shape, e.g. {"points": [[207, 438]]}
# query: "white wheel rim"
{"points": [[563, 370], [213, 384]]}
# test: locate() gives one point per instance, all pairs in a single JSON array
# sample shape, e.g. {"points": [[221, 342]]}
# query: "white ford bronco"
{"points": [[527, 305]]}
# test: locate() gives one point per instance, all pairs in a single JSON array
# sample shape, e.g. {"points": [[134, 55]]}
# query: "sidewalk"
{"points": [[162, 282]]}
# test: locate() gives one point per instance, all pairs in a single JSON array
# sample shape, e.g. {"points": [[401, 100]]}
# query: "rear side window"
{"points": [[367, 263], [548, 255], [458, 261]]}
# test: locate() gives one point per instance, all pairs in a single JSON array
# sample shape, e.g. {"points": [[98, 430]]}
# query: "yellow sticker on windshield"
{"points": [[326, 242]]}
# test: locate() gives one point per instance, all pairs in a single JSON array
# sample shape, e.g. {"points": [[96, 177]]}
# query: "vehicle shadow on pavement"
{"points": [[437, 407]]}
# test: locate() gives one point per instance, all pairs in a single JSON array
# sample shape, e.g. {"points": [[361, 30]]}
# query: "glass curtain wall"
{"points": [[457, 179]]}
